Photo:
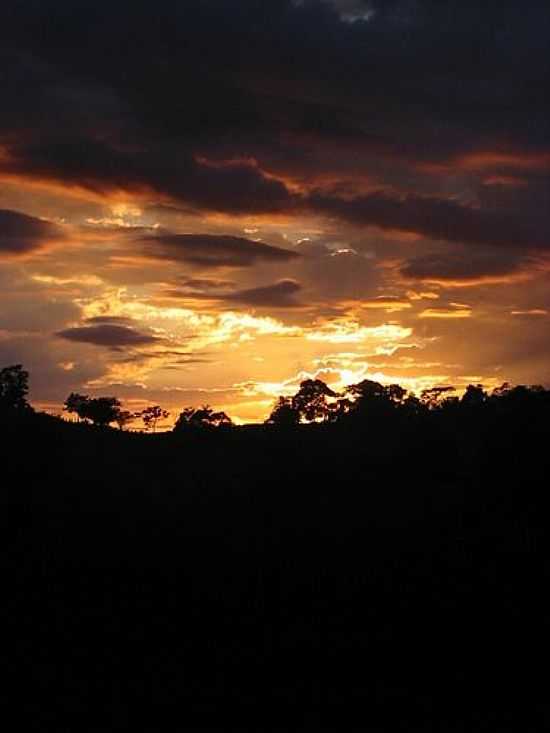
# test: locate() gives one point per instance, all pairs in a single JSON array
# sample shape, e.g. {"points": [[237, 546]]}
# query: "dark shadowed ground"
{"points": [[376, 576]]}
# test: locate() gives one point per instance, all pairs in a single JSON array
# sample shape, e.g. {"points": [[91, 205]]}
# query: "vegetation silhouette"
{"points": [[366, 555], [14, 387], [312, 401], [201, 420], [151, 415], [101, 411], [123, 418], [284, 414]]}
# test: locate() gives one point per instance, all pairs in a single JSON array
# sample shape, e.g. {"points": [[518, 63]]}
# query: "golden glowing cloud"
{"points": [[531, 312], [347, 331], [445, 313]]}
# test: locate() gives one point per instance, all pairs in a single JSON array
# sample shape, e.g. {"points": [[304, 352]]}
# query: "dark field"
{"points": [[370, 575]]}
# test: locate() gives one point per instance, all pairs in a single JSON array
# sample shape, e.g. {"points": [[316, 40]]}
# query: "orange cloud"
{"points": [[531, 312], [445, 313], [484, 160]]}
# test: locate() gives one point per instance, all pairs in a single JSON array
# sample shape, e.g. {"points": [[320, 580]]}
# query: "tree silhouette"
{"points": [[14, 386], [284, 415], [474, 396], [102, 410], [151, 415], [99, 410], [123, 418], [76, 403], [367, 390], [412, 406], [372, 399], [433, 398], [311, 403], [202, 418], [396, 394], [501, 391]]}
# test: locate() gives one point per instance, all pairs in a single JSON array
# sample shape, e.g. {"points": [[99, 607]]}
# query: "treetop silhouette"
{"points": [[101, 411], [14, 387], [193, 419], [151, 415], [314, 403]]}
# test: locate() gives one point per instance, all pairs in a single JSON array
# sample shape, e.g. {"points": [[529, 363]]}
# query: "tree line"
{"points": [[104, 411], [314, 403]]}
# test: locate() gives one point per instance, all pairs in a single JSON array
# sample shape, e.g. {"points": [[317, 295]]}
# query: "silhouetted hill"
{"points": [[389, 571]]}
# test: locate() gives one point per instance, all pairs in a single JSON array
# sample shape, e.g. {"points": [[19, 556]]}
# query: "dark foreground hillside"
{"points": [[369, 576]]}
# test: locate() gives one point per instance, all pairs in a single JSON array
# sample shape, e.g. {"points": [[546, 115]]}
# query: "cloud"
{"points": [[249, 129], [413, 295], [352, 11], [110, 335], [211, 251], [111, 320], [216, 80], [465, 268], [438, 219], [49, 380], [349, 331], [20, 234], [531, 312], [451, 313], [203, 283], [387, 303], [173, 173], [245, 327], [27, 306], [281, 294]]}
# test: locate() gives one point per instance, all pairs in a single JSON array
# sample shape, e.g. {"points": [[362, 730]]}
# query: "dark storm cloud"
{"points": [[438, 219], [228, 91], [20, 233], [427, 77], [354, 10], [205, 250], [109, 335], [466, 266], [235, 187]]}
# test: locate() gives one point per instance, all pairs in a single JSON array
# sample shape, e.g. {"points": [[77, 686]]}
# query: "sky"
{"points": [[210, 201]]}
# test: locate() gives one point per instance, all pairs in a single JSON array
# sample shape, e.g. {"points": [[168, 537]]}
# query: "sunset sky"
{"points": [[209, 201]]}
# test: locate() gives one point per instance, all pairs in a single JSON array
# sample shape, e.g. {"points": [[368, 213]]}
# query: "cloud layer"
{"points": [[207, 251], [110, 335], [20, 233]]}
